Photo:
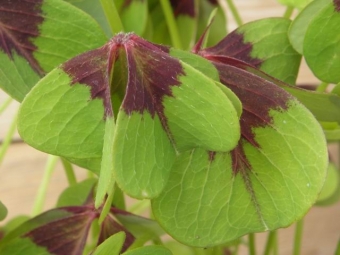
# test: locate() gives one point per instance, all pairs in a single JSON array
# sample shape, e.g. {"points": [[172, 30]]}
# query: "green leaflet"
{"points": [[112, 245], [190, 130], [299, 26], [321, 44], [330, 193], [207, 69], [20, 246], [16, 77], [145, 146], [55, 34], [143, 155], [207, 203], [78, 32], [61, 119], [3, 211], [270, 44], [95, 9], [189, 114], [65, 114], [149, 250]]}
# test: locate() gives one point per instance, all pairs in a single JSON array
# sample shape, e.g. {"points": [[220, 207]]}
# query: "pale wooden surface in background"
{"points": [[22, 169]]}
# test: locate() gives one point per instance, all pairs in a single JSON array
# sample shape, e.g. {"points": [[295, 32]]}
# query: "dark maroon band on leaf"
{"points": [[151, 74], [66, 235], [19, 23], [93, 69], [258, 97], [150, 69], [233, 45], [183, 7], [336, 4]]}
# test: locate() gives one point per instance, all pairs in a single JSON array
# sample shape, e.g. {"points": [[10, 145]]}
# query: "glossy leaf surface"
{"points": [[268, 181], [263, 44], [321, 44], [38, 36], [166, 108], [324, 106]]}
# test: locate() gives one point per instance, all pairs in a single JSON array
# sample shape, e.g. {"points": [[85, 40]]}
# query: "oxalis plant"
{"points": [[158, 102]]}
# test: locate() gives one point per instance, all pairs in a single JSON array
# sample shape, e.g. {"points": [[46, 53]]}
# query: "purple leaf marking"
{"points": [[19, 22]]}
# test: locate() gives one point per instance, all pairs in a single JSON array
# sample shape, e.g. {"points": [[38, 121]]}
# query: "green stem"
{"points": [[71, 177], [251, 244], [322, 87], [5, 104], [270, 242], [288, 13], [171, 23], [337, 251], [40, 199], [276, 247], [235, 12], [112, 16], [298, 237], [8, 138], [106, 208]]}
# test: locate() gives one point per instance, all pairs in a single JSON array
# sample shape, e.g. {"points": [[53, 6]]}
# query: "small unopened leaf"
{"points": [[149, 250], [218, 27], [110, 227], [321, 43], [112, 245], [3, 211]]}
